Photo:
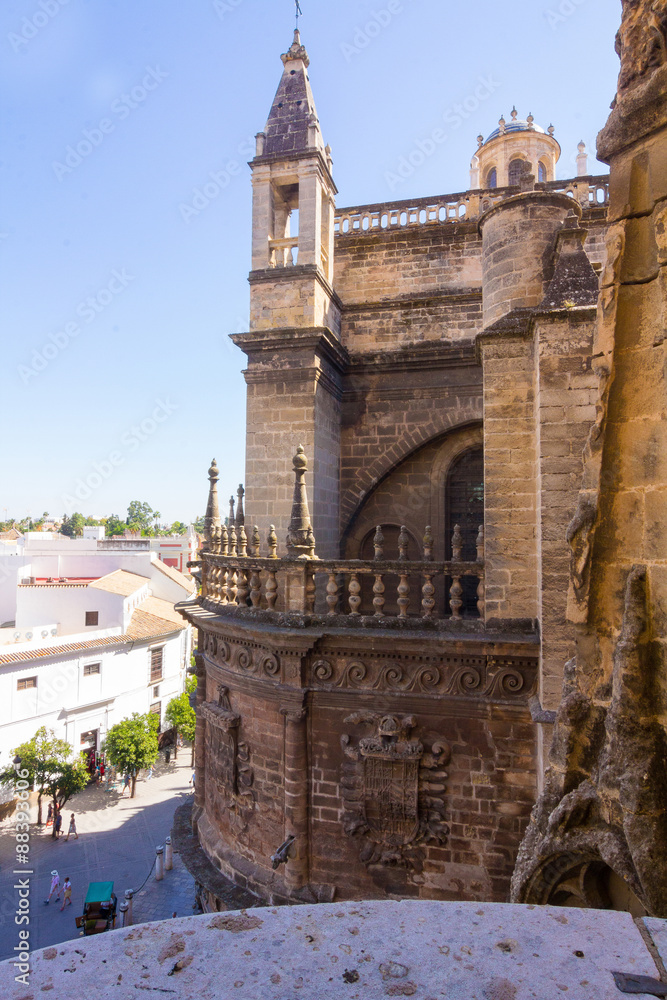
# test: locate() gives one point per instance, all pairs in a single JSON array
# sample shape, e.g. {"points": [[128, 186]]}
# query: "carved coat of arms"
{"points": [[393, 790]]}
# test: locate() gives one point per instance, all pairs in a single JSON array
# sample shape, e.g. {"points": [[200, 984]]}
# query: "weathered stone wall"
{"points": [[281, 723]]}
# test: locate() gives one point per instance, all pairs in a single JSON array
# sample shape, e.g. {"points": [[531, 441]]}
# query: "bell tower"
{"points": [[293, 346]]}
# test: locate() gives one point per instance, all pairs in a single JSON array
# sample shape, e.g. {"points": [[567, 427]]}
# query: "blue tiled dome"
{"points": [[519, 125]]}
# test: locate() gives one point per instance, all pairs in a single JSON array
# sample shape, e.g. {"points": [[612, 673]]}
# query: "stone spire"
{"points": [[240, 513], [300, 538], [212, 517], [293, 125]]}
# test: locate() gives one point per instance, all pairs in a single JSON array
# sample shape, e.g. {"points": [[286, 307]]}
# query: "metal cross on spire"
{"points": [[298, 12]]}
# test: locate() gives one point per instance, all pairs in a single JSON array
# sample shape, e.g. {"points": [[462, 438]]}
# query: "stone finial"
{"points": [[296, 51], [551, 130], [514, 113], [530, 121], [232, 540], [378, 543], [298, 544], [428, 543], [501, 124], [403, 541], [480, 140], [240, 513], [212, 516], [243, 542], [272, 542], [224, 540], [457, 543], [255, 542], [231, 519], [260, 140]]}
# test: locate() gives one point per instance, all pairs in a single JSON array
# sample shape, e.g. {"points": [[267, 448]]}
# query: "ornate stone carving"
{"points": [[229, 771], [393, 790], [497, 678]]}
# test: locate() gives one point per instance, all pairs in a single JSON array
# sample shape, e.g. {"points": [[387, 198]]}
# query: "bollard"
{"points": [[168, 855], [123, 915], [129, 896], [159, 864]]}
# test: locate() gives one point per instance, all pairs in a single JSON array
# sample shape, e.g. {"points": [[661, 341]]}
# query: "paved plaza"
{"points": [[117, 841]]}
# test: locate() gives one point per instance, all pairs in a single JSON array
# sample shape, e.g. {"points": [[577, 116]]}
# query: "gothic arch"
{"points": [[442, 422]]}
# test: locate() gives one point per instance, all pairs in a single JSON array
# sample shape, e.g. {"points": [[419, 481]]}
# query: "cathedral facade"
{"points": [[383, 619]]}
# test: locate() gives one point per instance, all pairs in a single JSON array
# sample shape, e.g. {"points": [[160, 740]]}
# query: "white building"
{"points": [[88, 635]]}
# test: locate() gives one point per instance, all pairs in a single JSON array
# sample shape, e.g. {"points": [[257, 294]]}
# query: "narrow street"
{"points": [[117, 841]]}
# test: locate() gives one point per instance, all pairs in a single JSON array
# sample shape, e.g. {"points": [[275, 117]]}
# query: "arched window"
{"points": [[492, 178], [464, 505], [541, 172], [515, 171]]}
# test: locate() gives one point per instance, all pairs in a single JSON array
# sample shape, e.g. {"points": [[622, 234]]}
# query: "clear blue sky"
{"points": [[140, 386]]}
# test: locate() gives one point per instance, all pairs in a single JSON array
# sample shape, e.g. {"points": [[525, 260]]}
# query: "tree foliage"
{"points": [[132, 745], [72, 526], [46, 758], [181, 715], [140, 516]]}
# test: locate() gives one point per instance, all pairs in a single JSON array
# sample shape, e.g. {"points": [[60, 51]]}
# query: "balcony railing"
{"points": [[236, 576], [464, 206]]}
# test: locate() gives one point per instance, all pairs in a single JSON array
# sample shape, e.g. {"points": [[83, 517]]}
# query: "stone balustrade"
{"points": [[283, 252], [464, 206], [234, 573]]}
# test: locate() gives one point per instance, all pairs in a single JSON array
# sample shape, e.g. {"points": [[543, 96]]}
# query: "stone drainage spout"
{"points": [[281, 857]]}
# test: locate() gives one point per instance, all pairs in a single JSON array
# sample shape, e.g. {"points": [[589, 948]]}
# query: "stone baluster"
{"points": [[271, 589], [232, 540], [310, 592], [242, 589], [240, 513], [481, 606], [455, 602], [378, 543], [403, 540], [332, 594], [480, 544], [255, 587], [255, 542], [428, 601], [272, 541], [378, 595], [231, 584], [428, 543], [457, 543], [243, 542], [354, 588], [403, 599], [300, 538]]}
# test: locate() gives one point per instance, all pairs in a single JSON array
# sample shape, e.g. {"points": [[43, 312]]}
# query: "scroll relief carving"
{"points": [[255, 662], [228, 759], [393, 790], [474, 676]]}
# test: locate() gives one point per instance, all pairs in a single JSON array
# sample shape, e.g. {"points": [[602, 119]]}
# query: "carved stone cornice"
{"points": [[320, 339], [417, 357]]}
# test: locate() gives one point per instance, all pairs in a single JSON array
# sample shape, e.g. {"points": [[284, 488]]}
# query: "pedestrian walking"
{"points": [[49, 815], [126, 784], [55, 886], [67, 893], [72, 827], [192, 782], [57, 825], [149, 773]]}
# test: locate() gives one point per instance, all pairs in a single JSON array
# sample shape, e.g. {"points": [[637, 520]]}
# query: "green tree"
{"points": [[65, 778], [114, 526], [178, 528], [131, 745], [140, 516], [46, 758], [181, 715], [199, 525], [72, 526]]}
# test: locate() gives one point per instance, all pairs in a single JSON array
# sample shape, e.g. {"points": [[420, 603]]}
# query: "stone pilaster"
{"points": [[296, 794]]}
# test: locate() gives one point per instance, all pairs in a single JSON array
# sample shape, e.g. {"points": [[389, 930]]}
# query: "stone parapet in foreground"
{"points": [[464, 951]]}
